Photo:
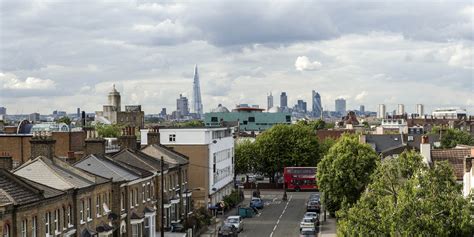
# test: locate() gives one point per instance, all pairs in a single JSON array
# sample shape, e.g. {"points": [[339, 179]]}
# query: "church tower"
{"points": [[114, 99]]}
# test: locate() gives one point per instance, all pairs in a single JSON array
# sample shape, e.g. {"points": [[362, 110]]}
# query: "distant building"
{"points": [[34, 117], [381, 111], [248, 118], [163, 112], [112, 113], [283, 100], [197, 102], [401, 109], [340, 106], [3, 111], [59, 114], [362, 109], [78, 113], [301, 106], [449, 113], [182, 106], [420, 110], [317, 107], [269, 101]]}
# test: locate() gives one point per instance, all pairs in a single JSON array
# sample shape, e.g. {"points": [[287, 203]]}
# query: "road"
{"points": [[278, 218]]}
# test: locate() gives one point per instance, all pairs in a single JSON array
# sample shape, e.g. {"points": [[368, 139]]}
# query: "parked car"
{"points": [[227, 230], [259, 177], [308, 232], [177, 227], [313, 215], [237, 221], [313, 206], [307, 222], [256, 203]]}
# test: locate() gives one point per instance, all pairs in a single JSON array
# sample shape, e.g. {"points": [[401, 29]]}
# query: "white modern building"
{"points": [[401, 109], [449, 113], [420, 110], [381, 111], [211, 160]]}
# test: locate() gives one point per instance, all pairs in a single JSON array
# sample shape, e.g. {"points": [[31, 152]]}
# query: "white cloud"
{"points": [[302, 63], [10, 81], [361, 96]]}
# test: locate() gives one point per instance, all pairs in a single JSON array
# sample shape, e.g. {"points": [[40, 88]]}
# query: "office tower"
{"points": [[283, 100], [341, 105], [197, 102], [301, 106], [269, 101], [401, 109], [78, 112], [381, 111], [34, 117], [163, 112], [362, 109], [420, 110], [317, 108], [182, 108], [3, 110]]}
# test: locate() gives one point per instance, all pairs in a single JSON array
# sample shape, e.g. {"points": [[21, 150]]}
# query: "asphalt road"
{"points": [[278, 218]]}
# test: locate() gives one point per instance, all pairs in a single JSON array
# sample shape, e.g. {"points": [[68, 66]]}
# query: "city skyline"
{"points": [[67, 63]]}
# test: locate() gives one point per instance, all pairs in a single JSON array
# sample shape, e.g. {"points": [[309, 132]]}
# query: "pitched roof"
{"points": [[170, 156], [139, 159], [16, 190], [57, 174], [384, 142], [109, 168], [455, 157]]}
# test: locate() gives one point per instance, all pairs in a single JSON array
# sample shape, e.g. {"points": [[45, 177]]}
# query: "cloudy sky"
{"points": [[67, 54]]}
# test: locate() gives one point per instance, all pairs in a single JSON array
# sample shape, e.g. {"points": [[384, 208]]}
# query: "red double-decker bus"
{"points": [[300, 178]]}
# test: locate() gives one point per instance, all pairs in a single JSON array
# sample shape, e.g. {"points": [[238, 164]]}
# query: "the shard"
{"points": [[197, 102]]}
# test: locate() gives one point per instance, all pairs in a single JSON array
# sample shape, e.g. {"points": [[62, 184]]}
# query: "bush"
{"points": [[232, 199]]}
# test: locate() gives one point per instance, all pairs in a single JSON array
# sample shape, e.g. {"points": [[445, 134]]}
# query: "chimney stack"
{"points": [[425, 149], [42, 144], [153, 135], [128, 138], [6, 161], [94, 144]]}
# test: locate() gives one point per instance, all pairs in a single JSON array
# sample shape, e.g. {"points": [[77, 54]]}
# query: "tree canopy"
{"points": [[105, 130], [246, 154], [65, 120], [451, 137], [345, 171], [407, 198]]}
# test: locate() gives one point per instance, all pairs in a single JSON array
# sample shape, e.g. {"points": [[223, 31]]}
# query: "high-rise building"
{"points": [[341, 106], [401, 109], [269, 101], [3, 111], [182, 108], [420, 110], [78, 113], [197, 102], [163, 112], [34, 117], [381, 111], [283, 100], [317, 108], [301, 106], [362, 109]]}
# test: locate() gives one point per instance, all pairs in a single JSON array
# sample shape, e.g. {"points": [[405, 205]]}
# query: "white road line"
{"points": [[283, 212]]}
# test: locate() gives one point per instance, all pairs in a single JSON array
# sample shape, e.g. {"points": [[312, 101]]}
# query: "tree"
{"points": [[286, 145], [191, 124], [407, 198], [105, 130], [345, 171], [451, 137], [246, 154], [65, 120]]}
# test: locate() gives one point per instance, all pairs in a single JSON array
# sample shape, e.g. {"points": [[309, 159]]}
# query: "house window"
{"points": [[148, 191], [64, 218], [97, 205], [56, 220], [89, 211], [6, 230], [135, 199], [252, 119], [47, 223], [131, 198], [81, 210], [24, 226], [147, 227], [172, 137], [69, 215], [122, 201], [152, 190], [137, 230], [34, 224], [143, 193]]}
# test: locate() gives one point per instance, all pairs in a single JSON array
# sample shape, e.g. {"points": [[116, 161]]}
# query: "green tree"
{"points": [[345, 171], [286, 145], [451, 137], [190, 124], [407, 198], [105, 130], [65, 120], [246, 155]]}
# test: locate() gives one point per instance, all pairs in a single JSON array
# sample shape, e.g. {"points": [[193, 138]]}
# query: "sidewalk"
{"points": [[213, 228], [328, 227]]}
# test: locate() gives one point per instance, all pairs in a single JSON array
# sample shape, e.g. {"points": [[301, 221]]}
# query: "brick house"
{"points": [[133, 194]]}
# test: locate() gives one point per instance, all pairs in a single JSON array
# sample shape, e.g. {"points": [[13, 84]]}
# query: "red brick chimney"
{"points": [[42, 144], [153, 135], [94, 144], [128, 138], [6, 161]]}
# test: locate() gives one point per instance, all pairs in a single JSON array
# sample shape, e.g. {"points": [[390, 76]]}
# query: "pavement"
{"points": [[277, 219]]}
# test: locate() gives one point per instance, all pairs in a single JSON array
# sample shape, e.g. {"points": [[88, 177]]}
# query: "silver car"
{"points": [[236, 221]]}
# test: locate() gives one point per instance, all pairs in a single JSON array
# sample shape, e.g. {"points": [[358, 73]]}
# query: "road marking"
{"points": [[283, 212]]}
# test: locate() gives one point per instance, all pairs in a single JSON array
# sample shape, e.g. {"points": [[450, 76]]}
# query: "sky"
{"points": [[60, 55]]}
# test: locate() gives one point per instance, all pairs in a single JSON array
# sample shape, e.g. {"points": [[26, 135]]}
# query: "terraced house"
{"points": [[134, 194]]}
